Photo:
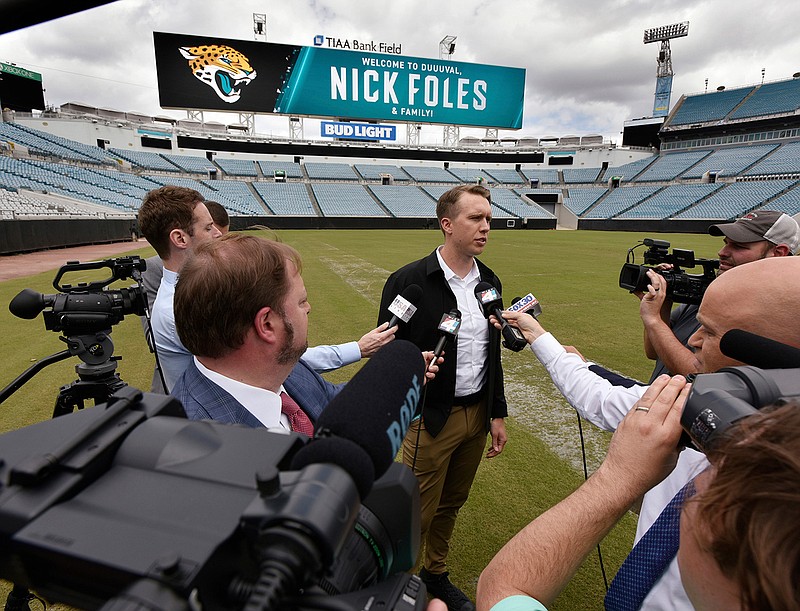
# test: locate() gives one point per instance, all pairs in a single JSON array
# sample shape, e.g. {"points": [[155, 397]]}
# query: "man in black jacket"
{"points": [[466, 400]]}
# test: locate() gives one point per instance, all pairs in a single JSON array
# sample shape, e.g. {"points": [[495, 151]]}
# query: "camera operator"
{"points": [[757, 235], [738, 546], [760, 297]]}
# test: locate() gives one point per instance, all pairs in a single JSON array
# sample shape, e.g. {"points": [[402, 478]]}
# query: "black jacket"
{"points": [[422, 330]]}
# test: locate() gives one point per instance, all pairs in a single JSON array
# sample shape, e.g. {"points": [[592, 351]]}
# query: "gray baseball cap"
{"points": [[775, 227]]}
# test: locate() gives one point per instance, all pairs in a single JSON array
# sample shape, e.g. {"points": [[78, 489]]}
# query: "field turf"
{"points": [[574, 274]]}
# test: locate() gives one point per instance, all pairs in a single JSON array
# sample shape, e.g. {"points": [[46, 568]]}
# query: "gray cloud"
{"points": [[587, 68]]}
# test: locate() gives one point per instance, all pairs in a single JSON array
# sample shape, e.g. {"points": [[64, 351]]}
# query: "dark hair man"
{"points": [[174, 220], [466, 400], [221, 219], [757, 235], [760, 297]]}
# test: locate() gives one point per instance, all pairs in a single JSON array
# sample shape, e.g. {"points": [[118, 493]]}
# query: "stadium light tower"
{"points": [[664, 72], [260, 27], [447, 46]]}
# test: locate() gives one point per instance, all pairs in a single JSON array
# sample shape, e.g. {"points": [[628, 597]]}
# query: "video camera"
{"points": [[86, 307], [717, 400], [681, 286], [130, 505], [84, 313]]}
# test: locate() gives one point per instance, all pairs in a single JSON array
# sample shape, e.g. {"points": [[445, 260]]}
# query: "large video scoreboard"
{"points": [[200, 72], [20, 89]]}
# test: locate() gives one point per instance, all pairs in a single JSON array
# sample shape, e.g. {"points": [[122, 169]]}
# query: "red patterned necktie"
{"points": [[298, 420]]}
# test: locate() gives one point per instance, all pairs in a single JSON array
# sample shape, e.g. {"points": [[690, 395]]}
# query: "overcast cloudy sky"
{"points": [[587, 68]]}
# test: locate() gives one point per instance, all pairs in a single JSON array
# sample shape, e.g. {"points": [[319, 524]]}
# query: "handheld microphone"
{"points": [[362, 428], [405, 304], [491, 302], [758, 351], [448, 330], [528, 304]]}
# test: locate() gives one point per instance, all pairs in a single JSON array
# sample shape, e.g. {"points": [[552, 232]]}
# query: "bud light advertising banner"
{"points": [[248, 76]]}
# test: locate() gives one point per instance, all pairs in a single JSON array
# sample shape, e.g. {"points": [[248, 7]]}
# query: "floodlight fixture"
{"points": [[447, 46], [260, 26], [666, 32]]}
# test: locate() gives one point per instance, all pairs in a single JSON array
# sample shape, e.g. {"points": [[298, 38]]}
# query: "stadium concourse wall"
{"points": [[27, 235], [648, 225]]}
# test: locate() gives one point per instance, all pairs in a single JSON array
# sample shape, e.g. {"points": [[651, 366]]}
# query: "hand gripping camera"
{"points": [[681, 286]]}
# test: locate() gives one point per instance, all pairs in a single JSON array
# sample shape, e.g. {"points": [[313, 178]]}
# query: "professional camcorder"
{"points": [[681, 287], [86, 307], [717, 400], [129, 505]]}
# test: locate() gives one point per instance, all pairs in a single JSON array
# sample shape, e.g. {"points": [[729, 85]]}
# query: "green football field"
{"points": [[574, 274]]}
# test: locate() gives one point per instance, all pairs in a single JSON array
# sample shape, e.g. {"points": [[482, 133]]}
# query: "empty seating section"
{"points": [[517, 206], [345, 200], [708, 106], [580, 175], [145, 160], [24, 204], [770, 99], [436, 192], [330, 171], [190, 163], [670, 166], [286, 198], [619, 200], [730, 161], [292, 170], [505, 176], [429, 173], [580, 200], [405, 200], [735, 199], [671, 200], [546, 177], [788, 202], [235, 196], [629, 171], [42, 143], [472, 175], [60, 179], [784, 160], [375, 171], [238, 167]]}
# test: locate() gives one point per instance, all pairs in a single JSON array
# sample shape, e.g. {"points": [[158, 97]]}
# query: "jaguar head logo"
{"points": [[222, 68]]}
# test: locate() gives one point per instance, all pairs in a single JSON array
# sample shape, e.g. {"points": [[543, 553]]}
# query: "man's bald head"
{"points": [[760, 297]]}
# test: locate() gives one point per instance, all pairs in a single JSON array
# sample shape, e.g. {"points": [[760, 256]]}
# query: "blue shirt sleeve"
{"points": [[328, 358]]}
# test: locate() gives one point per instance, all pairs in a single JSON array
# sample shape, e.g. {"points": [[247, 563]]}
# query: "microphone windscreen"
{"points": [[758, 351], [342, 452], [412, 293], [374, 409]]}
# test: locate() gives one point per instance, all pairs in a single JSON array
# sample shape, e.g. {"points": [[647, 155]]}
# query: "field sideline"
{"points": [[574, 274]]}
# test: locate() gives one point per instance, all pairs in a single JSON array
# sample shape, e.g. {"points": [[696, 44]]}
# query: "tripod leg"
{"points": [[18, 599]]}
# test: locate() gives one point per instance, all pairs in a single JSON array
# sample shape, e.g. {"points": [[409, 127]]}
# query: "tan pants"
{"points": [[445, 466]]}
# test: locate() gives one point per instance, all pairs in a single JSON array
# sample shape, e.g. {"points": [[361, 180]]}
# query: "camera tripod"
{"points": [[97, 375]]}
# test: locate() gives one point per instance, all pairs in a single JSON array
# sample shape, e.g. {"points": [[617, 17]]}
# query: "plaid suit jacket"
{"points": [[202, 399]]}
